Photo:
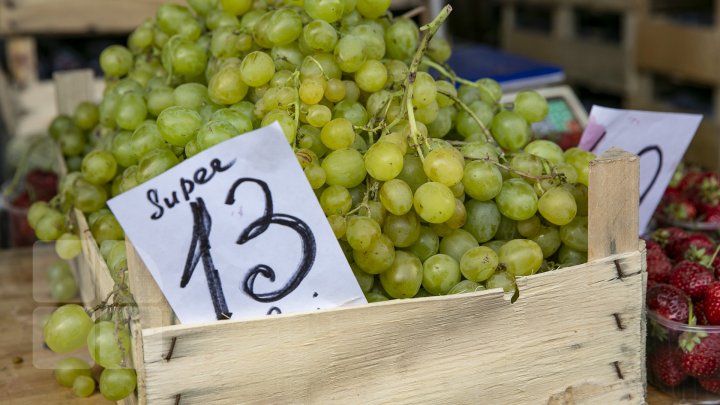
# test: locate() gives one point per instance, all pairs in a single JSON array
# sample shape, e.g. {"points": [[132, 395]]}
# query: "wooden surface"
{"points": [[21, 340]]}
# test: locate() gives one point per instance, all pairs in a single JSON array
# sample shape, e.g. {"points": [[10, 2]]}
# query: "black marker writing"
{"points": [[652, 149], [257, 228], [274, 310]]}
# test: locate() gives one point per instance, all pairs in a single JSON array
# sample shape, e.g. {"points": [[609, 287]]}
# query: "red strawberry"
{"points": [[659, 267], [690, 180], [701, 354], [696, 240], [711, 304], [680, 209], [669, 302], [712, 215], [664, 364], [669, 238], [699, 313], [707, 191], [711, 385], [691, 277]]}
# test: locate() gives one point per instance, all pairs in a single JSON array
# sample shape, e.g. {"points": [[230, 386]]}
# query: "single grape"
{"points": [[396, 196], [404, 277], [67, 329], [83, 386], [427, 244], [456, 243], [479, 263], [401, 39], [434, 202], [362, 232], [403, 230], [99, 167], [465, 286], [344, 167], [67, 370], [575, 234], [384, 161], [371, 76], [501, 279], [335, 200], [440, 274], [547, 150], [51, 225], [441, 165], [326, 10], [227, 86], [116, 61], [548, 238], [558, 206], [155, 163], [521, 257], [517, 200], [510, 130], [68, 246], [482, 180], [63, 289], [86, 116], [378, 257], [36, 211], [569, 257], [117, 383], [365, 280], [178, 125], [285, 26], [108, 343], [257, 69], [531, 105], [483, 219]]}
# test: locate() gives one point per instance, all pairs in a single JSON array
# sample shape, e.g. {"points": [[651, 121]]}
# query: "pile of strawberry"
{"points": [[692, 196], [683, 287]]}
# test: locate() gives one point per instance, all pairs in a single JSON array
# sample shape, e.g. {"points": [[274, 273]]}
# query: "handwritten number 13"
{"points": [[200, 249]]}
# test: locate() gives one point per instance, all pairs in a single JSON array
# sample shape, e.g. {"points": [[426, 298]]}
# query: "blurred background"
{"points": [[658, 55]]}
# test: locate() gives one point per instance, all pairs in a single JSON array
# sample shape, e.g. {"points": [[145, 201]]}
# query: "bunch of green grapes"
{"points": [[431, 188]]}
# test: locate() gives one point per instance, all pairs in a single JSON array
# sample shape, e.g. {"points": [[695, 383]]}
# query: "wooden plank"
{"points": [[614, 195], [551, 346], [684, 51], [73, 87], [154, 309]]}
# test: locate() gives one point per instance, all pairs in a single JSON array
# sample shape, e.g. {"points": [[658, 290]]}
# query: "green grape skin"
{"points": [[146, 138], [320, 36], [130, 111], [580, 192], [396, 196], [122, 149], [402, 39], [501, 279], [213, 133], [517, 200], [72, 142], [569, 257], [510, 130], [439, 49], [527, 164], [287, 123], [326, 10], [507, 229], [490, 90], [575, 234], [464, 287], [60, 124], [350, 53], [227, 87], [468, 126], [442, 166], [83, 386], [479, 263], [86, 115], [495, 244], [365, 280], [67, 328], [531, 105], [68, 246], [107, 228], [482, 180], [154, 163], [404, 277], [377, 258], [384, 161], [107, 343], [548, 238], [529, 227], [89, 197], [483, 220], [284, 27], [371, 76], [373, 36], [236, 7], [63, 289], [580, 160], [427, 244], [547, 150], [335, 200], [67, 370], [353, 111], [443, 123], [375, 210], [344, 167], [178, 125], [434, 202], [188, 58], [557, 206], [257, 69], [403, 230], [159, 99], [59, 270], [36, 211], [521, 257], [116, 61], [457, 243], [362, 232], [373, 8], [440, 274], [373, 297], [99, 167], [338, 224], [338, 134], [50, 226], [117, 383], [424, 90]]}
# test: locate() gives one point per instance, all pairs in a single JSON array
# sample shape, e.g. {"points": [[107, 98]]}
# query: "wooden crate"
{"points": [[575, 335], [602, 66]]}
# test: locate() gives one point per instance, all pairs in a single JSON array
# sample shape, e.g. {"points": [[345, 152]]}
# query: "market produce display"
{"points": [[692, 200], [430, 184]]}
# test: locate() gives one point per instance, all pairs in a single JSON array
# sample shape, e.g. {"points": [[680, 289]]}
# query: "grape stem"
{"points": [[486, 133], [447, 72], [517, 172], [430, 30], [414, 12]]}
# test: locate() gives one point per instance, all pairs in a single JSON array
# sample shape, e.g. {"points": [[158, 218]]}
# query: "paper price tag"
{"points": [[236, 231], [660, 139]]}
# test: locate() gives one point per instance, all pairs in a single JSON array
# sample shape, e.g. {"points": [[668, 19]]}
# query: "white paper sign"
{"points": [[236, 231], [660, 139]]}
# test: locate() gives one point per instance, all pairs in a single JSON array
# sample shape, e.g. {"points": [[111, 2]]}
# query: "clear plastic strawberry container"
{"points": [[683, 361]]}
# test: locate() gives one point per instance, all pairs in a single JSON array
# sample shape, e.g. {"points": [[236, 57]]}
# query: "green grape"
{"points": [[107, 228], [427, 244], [404, 277], [445, 90], [483, 220], [344, 167], [191, 95], [309, 138], [89, 197], [467, 126], [59, 270], [441, 165], [320, 36], [569, 257], [154, 163], [548, 238], [501, 279], [69, 369], [86, 116], [396, 196], [72, 142], [575, 234], [521, 257], [378, 257], [352, 91], [372, 297], [117, 260], [527, 164], [287, 123], [285, 26], [507, 229], [547, 150], [236, 7], [107, 246], [384, 161], [187, 58], [464, 287], [440, 274], [318, 115], [67, 328], [160, 99], [335, 90], [315, 175], [490, 90], [580, 160], [530, 227], [517, 200], [122, 149], [338, 134], [482, 180], [257, 69], [353, 111], [335, 200], [326, 10], [479, 263], [350, 53], [427, 114], [63, 289], [398, 72], [365, 280], [439, 49], [242, 121], [36, 211], [531, 105], [558, 206], [402, 39], [459, 216], [373, 8], [116, 61], [50, 226], [178, 125], [130, 111], [434, 202], [580, 192], [457, 243], [312, 90], [203, 7], [68, 246], [495, 245], [424, 90], [371, 76], [510, 130], [117, 383], [443, 122], [213, 133], [146, 138], [108, 343], [403, 230], [83, 386], [59, 125], [362, 232], [99, 167]]}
